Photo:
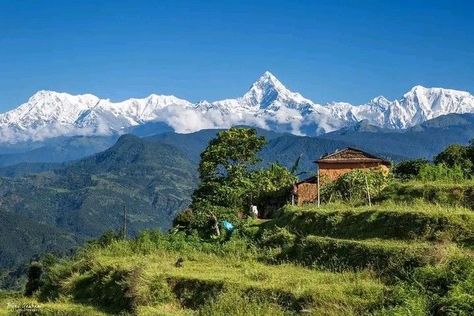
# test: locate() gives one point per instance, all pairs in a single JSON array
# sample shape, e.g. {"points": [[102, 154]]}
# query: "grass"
{"points": [[389, 259], [416, 221], [438, 192], [15, 304], [207, 277]]}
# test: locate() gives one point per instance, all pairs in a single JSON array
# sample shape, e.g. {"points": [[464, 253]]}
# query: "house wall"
{"points": [[306, 193], [332, 171]]}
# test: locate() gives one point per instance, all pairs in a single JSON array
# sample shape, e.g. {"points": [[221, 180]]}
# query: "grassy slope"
{"points": [[15, 304], [333, 260], [436, 192], [145, 281], [391, 239]]}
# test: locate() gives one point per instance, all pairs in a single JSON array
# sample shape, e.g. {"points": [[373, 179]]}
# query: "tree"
{"points": [[225, 164], [455, 155], [230, 154], [230, 182], [470, 152], [225, 171], [409, 169], [272, 187]]}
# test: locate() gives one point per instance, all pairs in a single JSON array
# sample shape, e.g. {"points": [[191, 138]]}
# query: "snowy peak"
{"points": [[267, 104], [421, 104], [268, 89]]}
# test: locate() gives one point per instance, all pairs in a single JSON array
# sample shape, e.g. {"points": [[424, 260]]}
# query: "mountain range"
{"points": [[268, 104]]}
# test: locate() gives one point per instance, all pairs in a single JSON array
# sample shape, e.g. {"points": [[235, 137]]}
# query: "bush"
{"points": [[449, 286], [35, 270], [409, 169], [456, 155], [430, 172], [356, 186]]}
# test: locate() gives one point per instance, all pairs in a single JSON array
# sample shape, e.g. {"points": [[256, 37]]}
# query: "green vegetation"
{"points": [[258, 270], [355, 187], [230, 184], [447, 193], [58, 210], [411, 252], [455, 163], [142, 274], [419, 221]]}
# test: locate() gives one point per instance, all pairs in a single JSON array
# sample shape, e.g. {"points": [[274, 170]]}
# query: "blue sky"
{"points": [[326, 50]]}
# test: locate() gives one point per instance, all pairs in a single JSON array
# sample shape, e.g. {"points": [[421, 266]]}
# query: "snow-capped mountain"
{"points": [[268, 104]]}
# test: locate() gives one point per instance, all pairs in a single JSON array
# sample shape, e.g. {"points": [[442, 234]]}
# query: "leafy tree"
{"points": [[453, 155], [224, 169], [230, 183], [226, 176], [230, 154], [272, 187], [470, 152], [409, 169]]}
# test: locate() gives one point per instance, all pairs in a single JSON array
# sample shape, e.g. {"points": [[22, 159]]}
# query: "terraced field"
{"points": [[336, 260], [386, 238]]}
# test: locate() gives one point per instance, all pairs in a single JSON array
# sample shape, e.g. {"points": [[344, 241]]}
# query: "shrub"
{"points": [[449, 286], [356, 186], [409, 169], [430, 172], [455, 155], [35, 270]]}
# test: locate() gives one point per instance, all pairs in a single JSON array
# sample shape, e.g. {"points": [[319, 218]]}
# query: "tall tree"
{"points": [[225, 164], [230, 182]]}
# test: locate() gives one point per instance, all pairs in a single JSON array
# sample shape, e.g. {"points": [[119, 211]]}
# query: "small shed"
{"points": [[331, 167]]}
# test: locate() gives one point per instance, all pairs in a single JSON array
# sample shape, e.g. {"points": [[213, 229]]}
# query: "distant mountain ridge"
{"points": [[422, 140], [268, 104], [59, 209]]}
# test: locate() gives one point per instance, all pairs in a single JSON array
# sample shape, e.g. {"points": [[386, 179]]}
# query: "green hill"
{"points": [[412, 259], [85, 198]]}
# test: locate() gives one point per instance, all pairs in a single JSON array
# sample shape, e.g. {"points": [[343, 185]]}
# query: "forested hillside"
{"points": [[83, 199]]}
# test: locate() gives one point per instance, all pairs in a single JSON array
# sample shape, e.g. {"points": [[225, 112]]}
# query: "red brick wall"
{"points": [[332, 171]]}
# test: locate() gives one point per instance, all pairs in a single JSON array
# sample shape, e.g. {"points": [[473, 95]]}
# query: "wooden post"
{"points": [[319, 183], [368, 191]]}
